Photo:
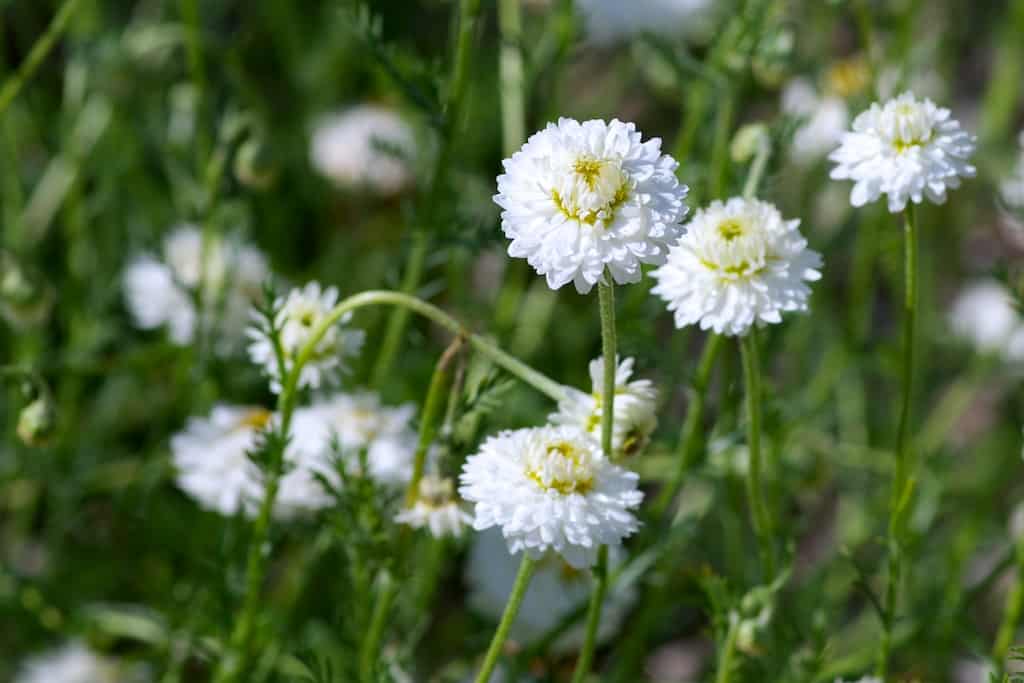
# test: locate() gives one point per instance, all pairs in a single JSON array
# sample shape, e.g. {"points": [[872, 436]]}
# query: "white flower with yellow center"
{"points": [[367, 146], [549, 489], [634, 415], [905, 149], [580, 198], [297, 316], [76, 663], [435, 508], [738, 264]]}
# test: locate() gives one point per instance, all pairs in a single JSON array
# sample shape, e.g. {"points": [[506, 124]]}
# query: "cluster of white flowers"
{"points": [[985, 315], [76, 663], [366, 147], [738, 264], [607, 21], [825, 117], [634, 418], [435, 508], [224, 276], [297, 316], [550, 489], [905, 149], [582, 198], [556, 590], [213, 467]]}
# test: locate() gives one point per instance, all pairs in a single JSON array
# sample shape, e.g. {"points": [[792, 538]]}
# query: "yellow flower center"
{"points": [[730, 229], [257, 418], [563, 467], [592, 192]]}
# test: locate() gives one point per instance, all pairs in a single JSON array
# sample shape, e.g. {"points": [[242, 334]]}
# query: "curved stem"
{"points": [[757, 168], [428, 421], [526, 568], [593, 616], [902, 488], [371, 644], [725, 665], [691, 435], [755, 492]]}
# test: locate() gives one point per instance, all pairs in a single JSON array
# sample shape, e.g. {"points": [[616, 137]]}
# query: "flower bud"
{"points": [[254, 165], [747, 141], [37, 422], [25, 299]]}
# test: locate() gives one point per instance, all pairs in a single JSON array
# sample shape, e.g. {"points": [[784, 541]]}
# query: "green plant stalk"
{"points": [[399, 318], [720, 148], [522, 582], [593, 616], [757, 168], [386, 593], [691, 436], [510, 69], [1011, 617], [902, 479], [725, 665], [693, 116], [755, 487], [1004, 84], [436, 398], [42, 47]]}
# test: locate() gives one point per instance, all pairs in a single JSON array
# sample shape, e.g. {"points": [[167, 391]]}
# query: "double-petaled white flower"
{"points": [[550, 489], [634, 417], [76, 663], [435, 508], [580, 198], [738, 264], [297, 316], [905, 149], [367, 146]]}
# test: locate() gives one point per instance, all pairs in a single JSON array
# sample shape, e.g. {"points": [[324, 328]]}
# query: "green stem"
{"points": [[725, 665], [510, 68], [606, 300], [593, 616], [371, 643], [757, 167], [693, 116], [755, 491], [691, 436], [431, 411], [42, 47], [1011, 617], [399, 318], [902, 480], [526, 568], [720, 148]]}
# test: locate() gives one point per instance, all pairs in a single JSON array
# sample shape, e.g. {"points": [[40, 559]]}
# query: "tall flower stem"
{"points": [[526, 568], [1011, 617], [510, 68], [432, 406], [386, 592], [903, 481], [759, 514], [725, 665]]}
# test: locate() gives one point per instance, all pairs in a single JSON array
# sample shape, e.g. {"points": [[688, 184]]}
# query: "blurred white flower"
{"points": [[607, 21], [549, 489], [825, 117], [556, 590], [582, 197], [1012, 188], [297, 316], [865, 679], [634, 416], [367, 146], [75, 663], [738, 264], [435, 508], [905, 149], [226, 279], [984, 314]]}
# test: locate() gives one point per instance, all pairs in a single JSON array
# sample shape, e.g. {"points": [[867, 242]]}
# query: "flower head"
{"points": [[297, 316], [549, 489], [634, 415], [76, 663], [825, 117], [435, 508], [984, 314], [905, 149], [580, 198], [366, 146], [738, 264], [609, 20]]}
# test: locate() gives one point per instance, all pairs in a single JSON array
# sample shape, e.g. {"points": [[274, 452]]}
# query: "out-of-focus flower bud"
{"points": [[747, 141], [37, 422], [848, 77], [254, 164], [25, 299]]}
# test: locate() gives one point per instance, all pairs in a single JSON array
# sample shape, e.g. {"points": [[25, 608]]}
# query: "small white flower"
{"points": [[435, 508], [611, 20], [296, 317], [984, 315], [556, 590], [634, 414], [366, 146], [155, 299], [905, 149], [580, 198], [549, 489], [75, 663], [738, 264], [825, 119]]}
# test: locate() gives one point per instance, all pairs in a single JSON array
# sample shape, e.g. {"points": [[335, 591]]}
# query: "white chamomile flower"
{"points": [[580, 198], [297, 316], [825, 117], [634, 415], [906, 149], [367, 146], [550, 489], [607, 21], [984, 314], [556, 590], [76, 663], [435, 508], [738, 264]]}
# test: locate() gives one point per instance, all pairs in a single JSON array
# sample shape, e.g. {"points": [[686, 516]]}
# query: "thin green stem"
{"points": [[755, 487], [399, 318], [431, 412], [510, 68], [725, 665], [593, 616], [1011, 616], [42, 47], [386, 593], [606, 300], [691, 436], [902, 480], [522, 582], [720, 148], [757, 168]]}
